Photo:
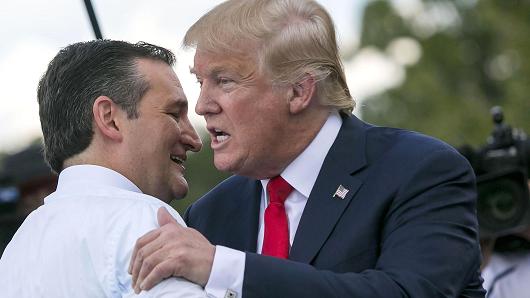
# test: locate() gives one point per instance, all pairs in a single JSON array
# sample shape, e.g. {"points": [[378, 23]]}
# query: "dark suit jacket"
{"points": [[406, 228]]}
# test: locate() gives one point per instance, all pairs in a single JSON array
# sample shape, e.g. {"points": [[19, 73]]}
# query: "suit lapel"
{"points": [[322, 211]]}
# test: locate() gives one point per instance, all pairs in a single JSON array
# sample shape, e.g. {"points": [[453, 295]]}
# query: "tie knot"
{"points": [[278, 190]]}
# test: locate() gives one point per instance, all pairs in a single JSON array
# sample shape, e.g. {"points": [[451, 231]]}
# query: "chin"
{"points": [[224, 165], [179, 194], [178, 188]]}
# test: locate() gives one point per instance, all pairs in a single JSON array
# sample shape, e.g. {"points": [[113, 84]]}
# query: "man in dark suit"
{"points": [[321, 203]]}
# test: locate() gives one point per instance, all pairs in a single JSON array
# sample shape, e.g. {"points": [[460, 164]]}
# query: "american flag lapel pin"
{"points": [[341, 192]]}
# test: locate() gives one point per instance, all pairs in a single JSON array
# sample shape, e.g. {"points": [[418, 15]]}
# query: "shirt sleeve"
{"points": [[139, 219], [228, 269], [172, 288]]}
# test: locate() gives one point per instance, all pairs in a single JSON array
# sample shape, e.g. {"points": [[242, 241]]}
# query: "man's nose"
{"points": [[190, 138], [206, 103]]}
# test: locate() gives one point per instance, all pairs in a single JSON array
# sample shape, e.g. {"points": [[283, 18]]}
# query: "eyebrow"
{"points": [[177, 104], [211, 71]]}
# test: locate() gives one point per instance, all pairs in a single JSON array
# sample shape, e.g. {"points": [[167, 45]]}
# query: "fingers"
{"points": [[164, 217], [151, 250], [142, 241], [157, 274], [149, 263], [143, 248]]}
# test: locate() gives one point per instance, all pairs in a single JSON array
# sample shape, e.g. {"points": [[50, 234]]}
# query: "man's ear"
{"points": [[107, 118], [302, 94]]}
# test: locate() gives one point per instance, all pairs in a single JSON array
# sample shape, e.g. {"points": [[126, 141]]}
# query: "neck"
{"points": [[97, 155]]}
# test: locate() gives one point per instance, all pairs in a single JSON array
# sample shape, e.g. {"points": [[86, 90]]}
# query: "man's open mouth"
{"points": [[176, 159], [219, 135]]}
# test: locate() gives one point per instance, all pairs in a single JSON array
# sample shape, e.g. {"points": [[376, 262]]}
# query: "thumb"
{"points": [[164, 217]]}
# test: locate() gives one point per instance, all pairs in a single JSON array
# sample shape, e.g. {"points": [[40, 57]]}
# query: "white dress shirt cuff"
{"points": [[226, 278]]}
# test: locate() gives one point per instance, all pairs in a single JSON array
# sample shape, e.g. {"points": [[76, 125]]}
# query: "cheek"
{"points": [[168, 133]]}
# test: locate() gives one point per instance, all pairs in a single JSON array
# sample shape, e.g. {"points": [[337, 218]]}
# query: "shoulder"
{"points": [[410, 162], [143, 208], [395, 143], [115, 211], [410, 146], [401, 138], [124, 226], [227, 189], [225, 198]]}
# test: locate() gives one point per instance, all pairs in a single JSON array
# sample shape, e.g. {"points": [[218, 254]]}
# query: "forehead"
{"points": [[207, 63]]}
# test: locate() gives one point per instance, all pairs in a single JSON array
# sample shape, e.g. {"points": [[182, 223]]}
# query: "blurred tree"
{"points": [[201, 175], [474, 55]]}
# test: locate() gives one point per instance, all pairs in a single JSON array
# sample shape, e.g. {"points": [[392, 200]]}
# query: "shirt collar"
{"points": [[93, 175], [302, 172]]}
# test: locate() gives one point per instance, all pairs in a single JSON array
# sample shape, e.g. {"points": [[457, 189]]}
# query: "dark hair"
{"points": [[79, 74]]}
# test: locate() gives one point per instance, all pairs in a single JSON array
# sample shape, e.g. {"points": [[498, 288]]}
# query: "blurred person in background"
{"points": [[26, 180], [321, 203], [506, 269], [115, 126], [31, 175]]}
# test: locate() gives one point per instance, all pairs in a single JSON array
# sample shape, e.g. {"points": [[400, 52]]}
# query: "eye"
{"points": [[175, 116], [224, 81]]}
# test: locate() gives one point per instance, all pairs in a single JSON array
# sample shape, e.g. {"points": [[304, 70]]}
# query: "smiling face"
{"points": [[248, 119], [157, 141]]}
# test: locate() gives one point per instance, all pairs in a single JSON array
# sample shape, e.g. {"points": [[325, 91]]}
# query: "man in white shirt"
{"points": [[115, 126], [507, 275]]}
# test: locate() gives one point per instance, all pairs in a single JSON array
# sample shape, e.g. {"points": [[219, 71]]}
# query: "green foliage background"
{"points": [[465, 68]]}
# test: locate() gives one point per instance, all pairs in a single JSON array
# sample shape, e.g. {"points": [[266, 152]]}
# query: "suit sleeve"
{"points": [[429, 244]]}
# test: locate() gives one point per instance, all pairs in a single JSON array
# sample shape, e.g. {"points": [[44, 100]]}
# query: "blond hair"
{"points": [[292, 38]]}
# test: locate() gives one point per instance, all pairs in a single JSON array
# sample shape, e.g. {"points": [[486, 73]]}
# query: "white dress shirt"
{"points": [[507, 275], [79, 243], [226, 278]]}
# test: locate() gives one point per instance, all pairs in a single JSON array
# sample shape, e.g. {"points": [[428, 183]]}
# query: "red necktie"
{"points": [[276, 239]]}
